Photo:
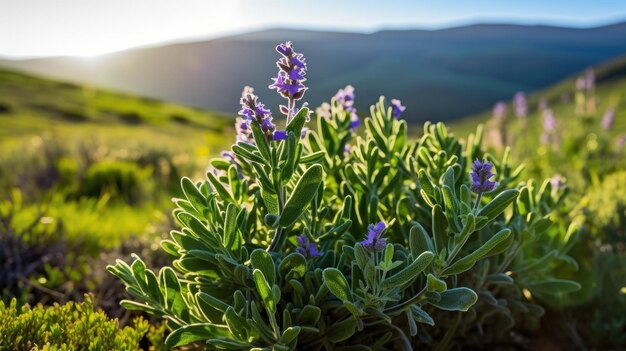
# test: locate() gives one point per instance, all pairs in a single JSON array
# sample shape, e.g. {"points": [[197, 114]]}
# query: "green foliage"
{"points": [[125, 180], [72, 326], [241, 280]]}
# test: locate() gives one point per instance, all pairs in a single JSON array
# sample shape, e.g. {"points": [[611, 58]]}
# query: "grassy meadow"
{"points": [[88, 175]]}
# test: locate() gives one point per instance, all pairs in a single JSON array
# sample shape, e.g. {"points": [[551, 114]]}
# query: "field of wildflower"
{"points": [[302, 227]]}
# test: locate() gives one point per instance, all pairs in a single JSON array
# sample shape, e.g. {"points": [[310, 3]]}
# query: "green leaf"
{"points": [[495, 207], [468, 261], [236, 324], [261, 141], [195, 197], [409, 273], [301, 195], [249, 155], [457, 299], [421, 316], [297, 122], [337, 284], [170, 286], [341, 331], [270, 200], [219, 187], [419, 241], [435, 284], [230, 226], [295, 264], [315, 157], [192, 333], [361, 256], [262, 261], [290, 334], [426, 184], [554, 286], [264, 290]]}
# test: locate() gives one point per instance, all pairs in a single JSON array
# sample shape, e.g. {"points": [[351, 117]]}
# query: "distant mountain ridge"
{"points": [[439, 74]]}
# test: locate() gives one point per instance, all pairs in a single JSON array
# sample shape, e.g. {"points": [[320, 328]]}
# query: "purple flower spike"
{"points": [[292, 69], [345, 99], [608, 118], [521, 106], [252, 109], [481, 173], [499, 110], [373, 242], [306, 248], [397, 108]]}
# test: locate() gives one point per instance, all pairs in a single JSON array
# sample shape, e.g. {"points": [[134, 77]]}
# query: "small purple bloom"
{"points": [[244, 133], [521, 106], [549, 126], [373, 242], [481, 173], [499, 110], [608, 118], [306, 248], [280, 135], [397, 108], [324, 110]]}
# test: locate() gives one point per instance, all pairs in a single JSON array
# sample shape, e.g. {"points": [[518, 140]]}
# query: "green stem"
{"points": [[405, 304]]}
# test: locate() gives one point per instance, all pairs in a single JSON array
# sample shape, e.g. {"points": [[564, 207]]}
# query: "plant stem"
{"points": [[409, 302]]}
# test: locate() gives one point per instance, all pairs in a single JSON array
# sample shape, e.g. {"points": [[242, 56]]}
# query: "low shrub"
{"points": [[72, 326], [328, 240], [119, 179]]}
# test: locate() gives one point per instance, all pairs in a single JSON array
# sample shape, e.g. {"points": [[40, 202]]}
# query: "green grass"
{"points": [[49, 128]]}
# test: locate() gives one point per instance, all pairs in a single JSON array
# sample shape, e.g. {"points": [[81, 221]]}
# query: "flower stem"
{"points": [[405, 304]]}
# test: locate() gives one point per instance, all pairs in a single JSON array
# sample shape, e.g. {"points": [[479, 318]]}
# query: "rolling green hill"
{"points": [[31, 106]]}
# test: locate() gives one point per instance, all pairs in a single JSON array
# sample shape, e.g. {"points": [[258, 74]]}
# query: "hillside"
{"points": [[610, 91], [31, 106], [439, 74]]}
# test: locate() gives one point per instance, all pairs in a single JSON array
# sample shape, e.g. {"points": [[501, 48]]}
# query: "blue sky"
{"points": [[31, 28]]}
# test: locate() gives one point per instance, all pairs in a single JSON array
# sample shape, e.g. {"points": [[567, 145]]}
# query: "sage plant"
{"points": [[345, 241]]}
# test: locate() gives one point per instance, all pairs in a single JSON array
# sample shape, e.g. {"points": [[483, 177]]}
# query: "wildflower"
{"points": [[397, 108], [481, 173], [345, 99], [608, 118], [549, 126], [324, 110], [290, 79], [521, 106], [557, 182], [252, 109], [499, 109], [306, 248], [373, 242]]}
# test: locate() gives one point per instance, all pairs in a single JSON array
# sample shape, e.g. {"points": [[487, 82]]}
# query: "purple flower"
{"points": [[345, 99], [292, 69], [481, 173], [608, 118], [280, 135], [397, 108], [499, 110], [252, 109], [549, 126], [373, 242], [586, 82], [521, 106], [306, 248]]}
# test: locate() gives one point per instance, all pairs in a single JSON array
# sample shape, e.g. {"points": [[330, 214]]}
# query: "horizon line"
{"points": [[336, 29]]}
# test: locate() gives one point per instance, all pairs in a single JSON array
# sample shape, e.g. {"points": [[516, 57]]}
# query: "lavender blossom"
{"points": [[549, 122], [253, 110], [397, 108], [608, 118], [373, 242], [290, 79], [345, 99], [481, 173], [499, 110], [306, 248], [521, 106]]}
